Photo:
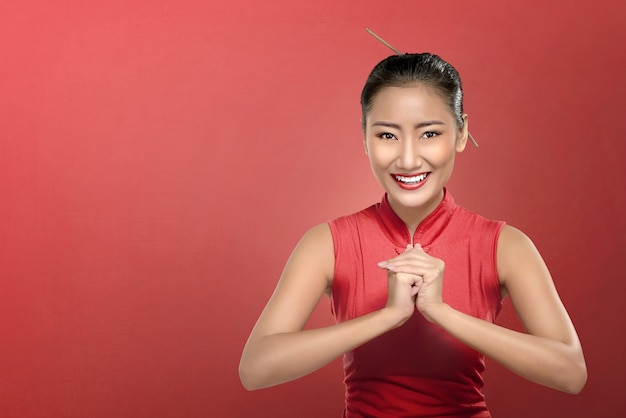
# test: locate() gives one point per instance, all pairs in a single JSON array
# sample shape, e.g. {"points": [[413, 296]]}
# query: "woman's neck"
{"points": [[412, 216]]}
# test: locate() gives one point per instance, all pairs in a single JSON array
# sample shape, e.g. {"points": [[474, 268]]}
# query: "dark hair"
{"points": [[410, 69]]}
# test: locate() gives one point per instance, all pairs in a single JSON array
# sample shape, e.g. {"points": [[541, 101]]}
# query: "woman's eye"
{"points": [[429, 134], [387, 135]]}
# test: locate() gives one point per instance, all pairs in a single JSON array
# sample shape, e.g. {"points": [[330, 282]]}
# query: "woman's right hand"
{"points": [[402, 288], [402, 293]]}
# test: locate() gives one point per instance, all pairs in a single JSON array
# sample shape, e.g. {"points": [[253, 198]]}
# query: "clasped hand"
{"points": [[415, 279]]}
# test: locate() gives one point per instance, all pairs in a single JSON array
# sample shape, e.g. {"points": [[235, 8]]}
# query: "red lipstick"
{"points": [[410, 181]]}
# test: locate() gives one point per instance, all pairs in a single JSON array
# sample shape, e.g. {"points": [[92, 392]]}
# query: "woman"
{"points": [[415, 281]]}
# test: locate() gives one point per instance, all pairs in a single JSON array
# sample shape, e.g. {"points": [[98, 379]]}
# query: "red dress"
{"points": [[418, 369]]}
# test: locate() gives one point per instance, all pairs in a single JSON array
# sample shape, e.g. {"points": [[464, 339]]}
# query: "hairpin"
{"points": [[388, 45]]}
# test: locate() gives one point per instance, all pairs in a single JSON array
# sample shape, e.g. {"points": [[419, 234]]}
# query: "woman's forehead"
{"points": [[414, 100]]}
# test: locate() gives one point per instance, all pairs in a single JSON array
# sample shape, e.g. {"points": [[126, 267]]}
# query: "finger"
{"points": [[410, 265], [410, 255], [405, 278], [417, 286], [404, 257], [418, 249], [415, 290]]}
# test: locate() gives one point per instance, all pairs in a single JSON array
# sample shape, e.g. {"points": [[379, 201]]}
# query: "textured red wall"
{"points": [[159, 160]]}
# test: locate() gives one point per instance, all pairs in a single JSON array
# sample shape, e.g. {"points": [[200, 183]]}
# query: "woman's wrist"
{"points": [[436, 312], [393, 317]]}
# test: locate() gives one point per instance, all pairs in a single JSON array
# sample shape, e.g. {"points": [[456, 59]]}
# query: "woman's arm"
{"points": [[279, 350], [549, 353]]}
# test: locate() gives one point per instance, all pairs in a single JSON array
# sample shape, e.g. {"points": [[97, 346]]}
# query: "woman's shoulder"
{"points": [[477, 221], [322, 237], [514, 245], [318, 236], [354, 218], [313, 257], [346, 227]]}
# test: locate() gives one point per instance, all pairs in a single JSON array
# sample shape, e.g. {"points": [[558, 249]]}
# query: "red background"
{"points": [[159, 160]]}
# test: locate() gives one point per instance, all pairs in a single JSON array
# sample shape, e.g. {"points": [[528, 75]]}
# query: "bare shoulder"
{"points": [[306, 277], [515, 251], [315, 252], [318, 239], [526, 278]]}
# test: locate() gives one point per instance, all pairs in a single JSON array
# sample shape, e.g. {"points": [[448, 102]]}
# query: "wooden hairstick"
{"points": [[383, 41], [388, 45]]}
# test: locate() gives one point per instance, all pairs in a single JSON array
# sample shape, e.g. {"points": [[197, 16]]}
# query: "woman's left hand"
{"points": [[429, 281]]}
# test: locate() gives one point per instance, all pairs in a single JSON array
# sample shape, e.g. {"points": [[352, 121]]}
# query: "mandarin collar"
{"points": [[427, 231]]}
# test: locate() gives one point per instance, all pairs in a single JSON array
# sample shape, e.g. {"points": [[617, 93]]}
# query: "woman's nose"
{"points": [[409, 157]]}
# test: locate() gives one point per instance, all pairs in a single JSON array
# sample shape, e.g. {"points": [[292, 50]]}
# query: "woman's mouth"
{"points": [[410, 182]]}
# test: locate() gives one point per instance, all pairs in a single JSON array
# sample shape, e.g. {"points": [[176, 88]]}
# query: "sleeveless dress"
{"points": [[418, 369]]}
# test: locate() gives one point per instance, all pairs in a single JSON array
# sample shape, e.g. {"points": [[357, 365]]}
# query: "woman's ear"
{"points": [[364, 137], [461, 140]]}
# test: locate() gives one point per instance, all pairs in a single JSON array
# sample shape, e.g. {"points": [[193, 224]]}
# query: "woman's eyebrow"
{"points": [[428, 123], [418, 126], [386, 124]]}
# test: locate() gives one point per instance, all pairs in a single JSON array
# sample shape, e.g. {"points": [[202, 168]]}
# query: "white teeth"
{"points": [[411, 180]]}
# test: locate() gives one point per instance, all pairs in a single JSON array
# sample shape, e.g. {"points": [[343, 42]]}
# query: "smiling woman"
{"points": [[415, 151], [415, 281]]}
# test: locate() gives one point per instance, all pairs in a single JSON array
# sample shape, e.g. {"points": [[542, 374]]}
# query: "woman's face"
{"points": [[411, 138]]}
